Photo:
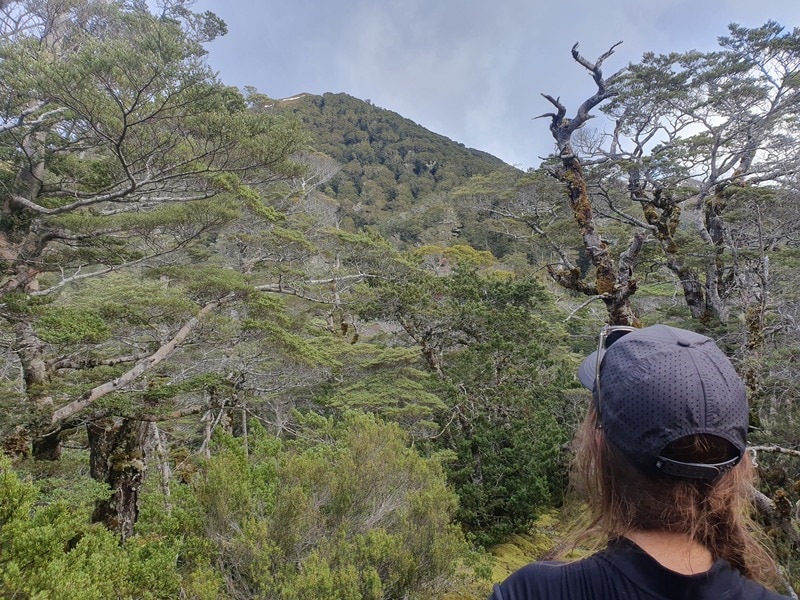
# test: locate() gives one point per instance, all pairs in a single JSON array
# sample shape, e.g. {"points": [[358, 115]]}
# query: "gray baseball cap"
{"points": [[660, 384]]}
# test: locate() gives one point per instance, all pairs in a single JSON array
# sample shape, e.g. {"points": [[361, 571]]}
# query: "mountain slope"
{"points": [[389, 163]]}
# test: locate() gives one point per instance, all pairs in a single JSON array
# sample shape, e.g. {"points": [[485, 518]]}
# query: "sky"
{"points": [[471, 70]]}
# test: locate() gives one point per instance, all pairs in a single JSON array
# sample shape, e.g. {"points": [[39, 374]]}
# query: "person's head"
{"points": [[655, 387], [663, 446]]}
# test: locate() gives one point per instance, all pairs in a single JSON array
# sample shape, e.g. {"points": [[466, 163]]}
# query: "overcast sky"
{"points": [[472, 70]]}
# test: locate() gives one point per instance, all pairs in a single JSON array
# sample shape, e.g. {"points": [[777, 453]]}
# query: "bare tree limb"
{"points": [[170, 416], [67, 363], [613, 284], [104, 271], [20, 121], [777, 449], [583, 305], [70, 410], [163, 467]]}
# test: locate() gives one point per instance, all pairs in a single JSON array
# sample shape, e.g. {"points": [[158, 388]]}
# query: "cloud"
{"points": [[468, 69]]}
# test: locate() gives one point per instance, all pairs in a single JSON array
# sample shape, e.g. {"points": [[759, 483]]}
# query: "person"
{"points": [[662, 460]]}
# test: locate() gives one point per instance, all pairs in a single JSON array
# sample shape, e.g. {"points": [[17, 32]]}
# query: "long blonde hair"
{"points": [[622, 498]]}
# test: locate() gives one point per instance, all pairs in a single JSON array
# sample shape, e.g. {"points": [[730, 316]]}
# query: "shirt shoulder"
{"points": [[624, 571], [755, 591], [586, 579]]}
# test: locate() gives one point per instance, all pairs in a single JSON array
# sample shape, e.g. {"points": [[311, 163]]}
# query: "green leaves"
{"points": [[71, 326], [489, 338], [49, 549], [391, 167], [346, 511]]}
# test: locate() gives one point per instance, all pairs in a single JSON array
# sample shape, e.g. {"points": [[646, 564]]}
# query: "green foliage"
{"points": [[267, 319], [125, 299], [501, 370], [442, 377], [21, 304], [518, 550], [180, 528], [208, 281], [159, 391], [508, 211], [185, 215], [458, 254], [124, 160], [365, 516], [70, 326], [50, 550], [396, 395], [507, 385], [387, 381], [388, 163]]}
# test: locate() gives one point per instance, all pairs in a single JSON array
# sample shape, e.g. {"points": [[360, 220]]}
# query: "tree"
{"points": [[50, 548], [702, 143], [519, 213], [490, 339], [702, 127], [345, 510], [614, 282], [119, 150], [692, 127]]}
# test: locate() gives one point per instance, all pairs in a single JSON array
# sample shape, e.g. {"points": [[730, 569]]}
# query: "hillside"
{"points": [[389, 164]]}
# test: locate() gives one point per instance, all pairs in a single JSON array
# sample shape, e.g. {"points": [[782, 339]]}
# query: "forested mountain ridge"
{"points": [[390, 166], [309, 349], [356, 131]]}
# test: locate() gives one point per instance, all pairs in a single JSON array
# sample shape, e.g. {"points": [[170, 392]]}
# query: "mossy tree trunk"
{"points": [[117, 451], [614, 282]]}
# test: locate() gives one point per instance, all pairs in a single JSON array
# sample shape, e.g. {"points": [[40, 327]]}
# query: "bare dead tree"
{"points": [[614, 282]]}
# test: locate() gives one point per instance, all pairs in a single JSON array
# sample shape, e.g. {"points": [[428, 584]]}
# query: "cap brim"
{"points": [[588, 370]]}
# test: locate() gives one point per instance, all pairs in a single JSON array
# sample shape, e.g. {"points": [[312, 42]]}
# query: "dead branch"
{"points": [[171, 416], [66, 363], [163, 467], [561, 127], [583, 305], [777, 449], [627, 262], [70, 410], [604, 90]]}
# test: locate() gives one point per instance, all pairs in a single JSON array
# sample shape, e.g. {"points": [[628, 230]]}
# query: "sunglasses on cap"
{"points": [[608, 335]]}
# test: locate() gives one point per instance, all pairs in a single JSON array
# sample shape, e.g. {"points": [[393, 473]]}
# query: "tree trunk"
{"points": [[117, 457], [47, 447], [31, 351], [163, 466], [715, 225], [614, 284], [664, 215]]}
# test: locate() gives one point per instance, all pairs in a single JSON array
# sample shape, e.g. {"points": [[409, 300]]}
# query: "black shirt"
{"points": [[625, 571]]}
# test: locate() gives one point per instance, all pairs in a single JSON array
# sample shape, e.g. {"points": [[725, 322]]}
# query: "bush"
{"points": [[50, 549], [345, 511]]}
